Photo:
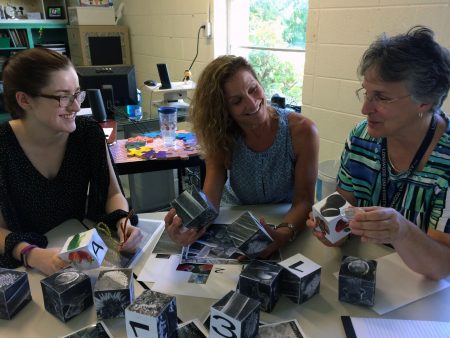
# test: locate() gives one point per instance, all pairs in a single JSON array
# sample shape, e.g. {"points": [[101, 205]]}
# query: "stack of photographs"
{"points": [[195, 209]]}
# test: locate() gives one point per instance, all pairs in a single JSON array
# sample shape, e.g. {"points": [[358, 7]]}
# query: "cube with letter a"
{"points": [[300, 279], [235, 315], [152, 314], [85, 250]]}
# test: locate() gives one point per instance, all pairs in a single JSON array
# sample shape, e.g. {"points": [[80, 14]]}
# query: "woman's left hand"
{"points": [[280, 237], [379, 225], [133, 238]]}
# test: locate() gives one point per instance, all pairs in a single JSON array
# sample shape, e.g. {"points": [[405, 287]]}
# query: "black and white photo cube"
{"points": [[152, 314], [85, 250], [260, 280], [113, 292], [300, 279], [235, 315], [14, 292], [329, 218], [357, 279], [67, 293], [195, 209], [249, 235]]}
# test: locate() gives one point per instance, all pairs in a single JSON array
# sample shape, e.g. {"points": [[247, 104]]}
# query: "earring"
{"points": [[420, 115]]}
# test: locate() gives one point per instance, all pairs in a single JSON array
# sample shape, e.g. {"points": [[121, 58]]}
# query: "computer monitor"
{"points": [[122, 79]]}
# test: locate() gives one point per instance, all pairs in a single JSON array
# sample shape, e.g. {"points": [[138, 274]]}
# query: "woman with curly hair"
{"points": [[270, 154]]}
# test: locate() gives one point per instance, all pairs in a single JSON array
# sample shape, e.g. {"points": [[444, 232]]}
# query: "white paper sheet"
{"points": [[396, 328], [390, 294], [84, 111], [222, 279], [108, 132]]}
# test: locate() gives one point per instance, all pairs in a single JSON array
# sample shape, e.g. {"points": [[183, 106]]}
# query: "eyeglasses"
{"points": [[66, 100], [378, 99]]}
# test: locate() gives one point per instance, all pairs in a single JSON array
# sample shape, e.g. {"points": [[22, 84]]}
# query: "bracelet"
{"points": [[14, 238], [290, 226], [24, 253]]}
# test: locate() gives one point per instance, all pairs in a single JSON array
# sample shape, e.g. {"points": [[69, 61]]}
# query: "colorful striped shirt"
{"points": [[426, 197]]}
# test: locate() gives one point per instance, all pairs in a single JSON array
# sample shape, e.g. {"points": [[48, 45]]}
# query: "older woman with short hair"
{"points": [[396, 163]]}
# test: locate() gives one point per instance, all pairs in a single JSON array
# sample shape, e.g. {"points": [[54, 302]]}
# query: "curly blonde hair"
{"points": [[212, 122]]}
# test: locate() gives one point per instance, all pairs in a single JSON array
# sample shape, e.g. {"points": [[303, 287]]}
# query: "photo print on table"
{"points": [[290, 328], [199, 272], [192, 329], [98, 330]]}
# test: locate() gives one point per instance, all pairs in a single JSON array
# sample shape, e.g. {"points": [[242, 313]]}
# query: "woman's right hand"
{"points": [[179, 233], [320, 234], [46, 260]]}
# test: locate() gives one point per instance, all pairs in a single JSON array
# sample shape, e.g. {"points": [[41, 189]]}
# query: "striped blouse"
{"points": [[426, 198]]}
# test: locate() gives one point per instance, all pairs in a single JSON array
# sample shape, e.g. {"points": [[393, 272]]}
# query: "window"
{"points": [[271, 35]]}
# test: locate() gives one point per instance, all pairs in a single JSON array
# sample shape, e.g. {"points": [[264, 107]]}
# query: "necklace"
{"points": [[396, 171]]}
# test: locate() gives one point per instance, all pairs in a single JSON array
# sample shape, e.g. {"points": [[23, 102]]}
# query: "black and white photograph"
{"points": [[192, 329], [98, 330], [286, 329]]}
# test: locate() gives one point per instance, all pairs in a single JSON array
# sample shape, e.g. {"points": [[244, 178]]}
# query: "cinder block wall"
{"points": [[338, 33], [165, 31]]}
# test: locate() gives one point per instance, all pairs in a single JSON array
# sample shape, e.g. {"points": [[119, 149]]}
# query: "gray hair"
{"points": [[414, 58]]}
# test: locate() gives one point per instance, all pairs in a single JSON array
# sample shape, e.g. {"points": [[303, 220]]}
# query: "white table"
{"points": [[319, 316]]}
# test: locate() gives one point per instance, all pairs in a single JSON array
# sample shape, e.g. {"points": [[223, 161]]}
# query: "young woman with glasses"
{"points": [[54, 166], [396, 162]]}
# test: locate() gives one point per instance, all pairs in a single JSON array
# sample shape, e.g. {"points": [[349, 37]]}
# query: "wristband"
{"points": [[290, 226], [24, 253]]}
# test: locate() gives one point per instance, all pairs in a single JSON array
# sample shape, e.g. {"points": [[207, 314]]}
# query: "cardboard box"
{"points": [[91, 16], [14, 292], [152, 314], [113, 292], [85, 250], [357, 279], [67, 293], [248, 235], [195, 209], [235, 315], [300, 279], [260, 280], [331, 222]]}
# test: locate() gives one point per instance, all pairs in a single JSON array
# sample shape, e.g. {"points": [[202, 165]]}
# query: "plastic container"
{"points": [[168, 125], [326, 178], [134, 112]]}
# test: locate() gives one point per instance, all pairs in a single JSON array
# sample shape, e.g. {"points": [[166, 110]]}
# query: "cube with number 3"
{"points": [[235, 315]]}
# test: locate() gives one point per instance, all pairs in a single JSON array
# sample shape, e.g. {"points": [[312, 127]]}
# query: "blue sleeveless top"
{"points": [[262, 177]]}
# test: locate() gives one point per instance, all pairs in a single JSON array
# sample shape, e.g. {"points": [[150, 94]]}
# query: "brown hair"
{"points": [[28, 72], [212, 123]]}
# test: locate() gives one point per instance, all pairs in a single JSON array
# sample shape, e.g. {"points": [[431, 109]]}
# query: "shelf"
{"points": [[33, 23]]}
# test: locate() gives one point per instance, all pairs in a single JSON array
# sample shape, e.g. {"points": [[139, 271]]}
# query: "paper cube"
{"points": [[67, 293], [248, 235], [300, 279], [260, 280], [327, 214], [113, 292], [357, 279], [152, 314], [235, 315], [195, 209], [84, 250], [14, 292]]}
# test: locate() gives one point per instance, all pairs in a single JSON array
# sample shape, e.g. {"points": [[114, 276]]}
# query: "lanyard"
{"points": [[412, 167]]}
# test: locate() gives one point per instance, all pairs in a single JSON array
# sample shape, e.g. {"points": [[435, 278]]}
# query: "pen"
{"points": [[123, 226]]}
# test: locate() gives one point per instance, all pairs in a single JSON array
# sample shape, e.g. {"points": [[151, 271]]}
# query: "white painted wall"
{"points": [[165, 31], [338, 33]]}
